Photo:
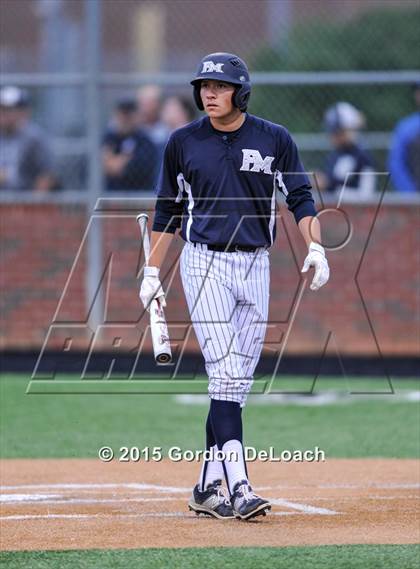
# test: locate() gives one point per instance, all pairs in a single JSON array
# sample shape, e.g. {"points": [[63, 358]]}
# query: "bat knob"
{"points": [[163, 359]]}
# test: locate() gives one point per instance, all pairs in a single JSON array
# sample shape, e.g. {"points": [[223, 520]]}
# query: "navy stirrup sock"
{"points": [[226, 421]]}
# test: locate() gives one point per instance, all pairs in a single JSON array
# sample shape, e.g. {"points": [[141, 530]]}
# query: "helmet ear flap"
{"points": [[241, 97], [235, 98], [197, 96]]}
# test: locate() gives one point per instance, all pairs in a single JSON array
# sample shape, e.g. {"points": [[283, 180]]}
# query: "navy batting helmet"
{"points": [[226, 67]]}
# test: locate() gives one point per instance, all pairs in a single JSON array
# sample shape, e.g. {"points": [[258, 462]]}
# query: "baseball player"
{"points": [[218, 184]]}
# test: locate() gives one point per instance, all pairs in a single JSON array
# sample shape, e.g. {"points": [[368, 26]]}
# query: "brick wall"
{"points": [[370, 301]]}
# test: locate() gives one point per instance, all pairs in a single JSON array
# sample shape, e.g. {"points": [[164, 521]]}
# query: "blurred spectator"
{"points": [[348, 165], [404, 156], [149, 100], [26, 161], [176, 112], [129, 156]]}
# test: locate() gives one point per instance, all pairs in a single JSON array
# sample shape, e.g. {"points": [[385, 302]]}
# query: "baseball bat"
{"points": [[158, 327]]}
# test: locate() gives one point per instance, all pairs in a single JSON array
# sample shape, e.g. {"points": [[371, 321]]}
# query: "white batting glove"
{"points": [[316, 258], [151, 288]]}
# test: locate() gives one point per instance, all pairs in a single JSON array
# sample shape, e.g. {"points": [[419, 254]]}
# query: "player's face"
{"points": [[217, 98]]}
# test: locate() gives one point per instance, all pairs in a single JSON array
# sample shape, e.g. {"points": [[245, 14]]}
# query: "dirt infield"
{"points": [[77, 504]]}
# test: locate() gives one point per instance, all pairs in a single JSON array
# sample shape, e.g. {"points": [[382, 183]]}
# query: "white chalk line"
{"points": [[305, 508], [58, 500], [16, 498], [25, 517], [28, 498]]}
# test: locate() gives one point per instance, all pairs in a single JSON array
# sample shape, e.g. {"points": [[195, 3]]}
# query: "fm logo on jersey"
{"points": [[211, 67], [254, 158]]}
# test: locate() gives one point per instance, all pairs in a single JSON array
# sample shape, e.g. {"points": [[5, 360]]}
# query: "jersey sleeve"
{"points": [[169, 203], [293, 181]]}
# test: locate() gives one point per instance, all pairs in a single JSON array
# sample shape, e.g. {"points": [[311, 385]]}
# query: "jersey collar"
{"points": [[235, 134]]}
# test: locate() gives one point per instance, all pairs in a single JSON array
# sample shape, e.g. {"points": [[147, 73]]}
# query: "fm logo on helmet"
{"points": [[211, 67]]}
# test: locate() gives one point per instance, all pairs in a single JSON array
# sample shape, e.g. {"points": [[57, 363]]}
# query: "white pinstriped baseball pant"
{"points": [[227, 296]]}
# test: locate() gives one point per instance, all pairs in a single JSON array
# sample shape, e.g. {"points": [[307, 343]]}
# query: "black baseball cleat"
{"points": [[246, 504], [213, 501]]}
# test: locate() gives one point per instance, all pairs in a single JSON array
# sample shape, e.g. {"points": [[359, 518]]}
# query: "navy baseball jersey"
{"points": [[220, 187], [344, 166]]}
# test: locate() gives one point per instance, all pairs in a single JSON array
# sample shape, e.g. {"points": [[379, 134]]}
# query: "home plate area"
{"points": [[79, 504]]}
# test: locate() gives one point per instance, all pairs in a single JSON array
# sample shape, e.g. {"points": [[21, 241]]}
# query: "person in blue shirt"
{"points": [[218, 185], [404, 156]]}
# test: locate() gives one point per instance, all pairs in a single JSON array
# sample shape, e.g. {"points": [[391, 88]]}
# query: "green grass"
{"points": [[324, 557], [78, 425]]}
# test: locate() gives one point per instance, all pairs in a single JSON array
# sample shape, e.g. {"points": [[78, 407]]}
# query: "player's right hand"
{"points": [[151, 288]]}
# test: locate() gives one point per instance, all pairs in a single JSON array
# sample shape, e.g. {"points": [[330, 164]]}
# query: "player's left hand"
{"points": [[316, 258]]}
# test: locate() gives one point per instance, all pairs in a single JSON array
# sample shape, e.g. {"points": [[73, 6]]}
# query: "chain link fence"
{"points": [[304, 56]]}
